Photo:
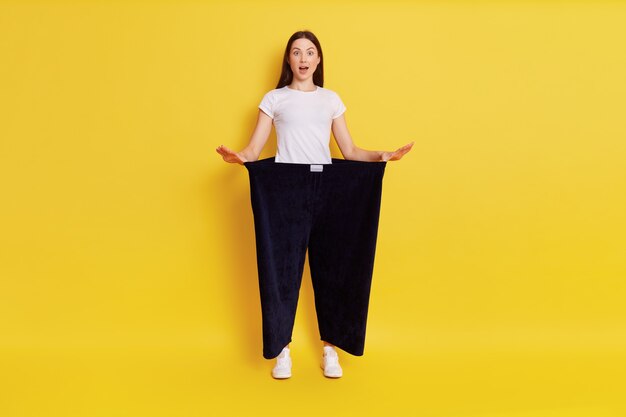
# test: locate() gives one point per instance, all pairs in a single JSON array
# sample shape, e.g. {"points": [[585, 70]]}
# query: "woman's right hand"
{"points": [[230, 155]]}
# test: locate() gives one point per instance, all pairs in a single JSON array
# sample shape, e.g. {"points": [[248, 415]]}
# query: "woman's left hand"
{"points": [[394, 156]]}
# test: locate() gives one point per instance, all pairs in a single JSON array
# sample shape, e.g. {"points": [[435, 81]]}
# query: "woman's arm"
{"points": [[348, 149], [352, 152], [258, 138], [255, 146]]}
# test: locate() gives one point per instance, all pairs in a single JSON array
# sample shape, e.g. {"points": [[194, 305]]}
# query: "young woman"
{"points": [[303, 113]]}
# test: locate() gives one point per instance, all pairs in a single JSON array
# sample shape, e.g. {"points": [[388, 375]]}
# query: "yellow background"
{"points": [[127, 257]]}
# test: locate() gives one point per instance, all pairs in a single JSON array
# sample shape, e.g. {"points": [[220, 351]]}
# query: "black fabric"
{"points": [[334, 213]]}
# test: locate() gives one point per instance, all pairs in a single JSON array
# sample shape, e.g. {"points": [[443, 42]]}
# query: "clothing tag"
{"points": [[317, 168]]}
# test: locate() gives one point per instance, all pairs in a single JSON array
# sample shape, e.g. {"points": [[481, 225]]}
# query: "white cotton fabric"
{"points": [[302, 120]]}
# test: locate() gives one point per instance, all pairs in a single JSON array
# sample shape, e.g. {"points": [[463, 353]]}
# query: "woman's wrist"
{"points": [[247, 155]]}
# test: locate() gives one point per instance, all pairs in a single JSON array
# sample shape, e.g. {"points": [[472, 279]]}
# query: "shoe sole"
{"points": [[331, 376], [281, 375]]}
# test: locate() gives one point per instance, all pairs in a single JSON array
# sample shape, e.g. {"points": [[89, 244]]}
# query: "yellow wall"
{"points": [[127, 258]]}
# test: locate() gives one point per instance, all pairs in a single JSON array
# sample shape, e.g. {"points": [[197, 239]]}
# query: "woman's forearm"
{"points": [[359, 154], [249, 154]]}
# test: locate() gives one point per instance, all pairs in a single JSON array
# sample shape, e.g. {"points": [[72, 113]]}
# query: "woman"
{"points": [[303, 113]]}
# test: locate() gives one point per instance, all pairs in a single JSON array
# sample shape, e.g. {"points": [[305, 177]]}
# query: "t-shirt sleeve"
{"points": [[340, 108], [267, 104]]}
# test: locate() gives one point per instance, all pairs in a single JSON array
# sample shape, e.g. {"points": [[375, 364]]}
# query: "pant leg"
{"points": [[281, 204], [342, 246]]}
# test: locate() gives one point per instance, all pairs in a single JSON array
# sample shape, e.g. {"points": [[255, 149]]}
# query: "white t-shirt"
{"points": [[302, 120]]}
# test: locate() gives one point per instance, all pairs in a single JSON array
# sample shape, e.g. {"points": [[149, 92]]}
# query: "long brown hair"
{"points": [[286, 75]]}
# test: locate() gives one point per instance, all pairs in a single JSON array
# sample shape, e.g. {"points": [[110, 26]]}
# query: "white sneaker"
{"points": [[330, 363], [282, 369]]}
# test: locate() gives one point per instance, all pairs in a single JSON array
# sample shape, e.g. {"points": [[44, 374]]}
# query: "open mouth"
{"points": [[303, 69]]}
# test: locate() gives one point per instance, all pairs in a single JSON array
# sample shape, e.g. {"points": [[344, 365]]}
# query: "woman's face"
{"points": [[303, 58]]}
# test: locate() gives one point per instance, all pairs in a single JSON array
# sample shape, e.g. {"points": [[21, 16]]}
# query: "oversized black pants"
{"points": [[333, 210]]}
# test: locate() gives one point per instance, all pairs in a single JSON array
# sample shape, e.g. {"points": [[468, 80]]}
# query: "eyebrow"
{"points": [[295, 47]]}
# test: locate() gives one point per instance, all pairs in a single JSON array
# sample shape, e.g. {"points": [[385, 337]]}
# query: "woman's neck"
{"points": [[305, 86]]}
